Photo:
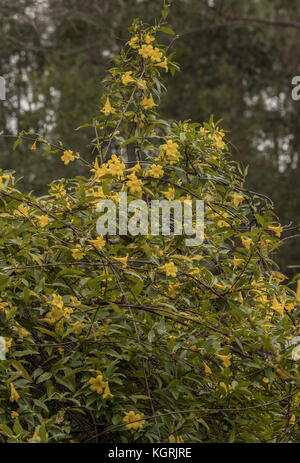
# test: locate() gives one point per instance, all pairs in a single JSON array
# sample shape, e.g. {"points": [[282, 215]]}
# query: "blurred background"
{"points": [[238, 58]]}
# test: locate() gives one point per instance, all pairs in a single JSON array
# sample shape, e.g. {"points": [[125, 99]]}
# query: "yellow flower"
{"points": [[156, 171], [148, 38], [226, 359], [170, 149], [237, 262], [261, 299], [77, 252], [116, 166], [99, 171], [169, 194], [78, 327], [156, 55], [97, 384], [8, 343], [3, 305], [74, 301], [67, 312], [148, 103], [67, 157], [163, 64], [172, 289], [35, 438], [225, 387], [239, 297], [276, 229], [237, 199], [127, 78], [133, 42], [207, 370], [292, 420], [14, 415], [290, 306], [278, 306], [22, 210], [219, 143], [14, 396], [265, 380], [22, 332], [43, 220], [298, 291], [170, 269], [122, 260], [57, 301], [107, 394], [223, 223], [142, 84], [246, 242], [58, 191], [98, 193], [131, 418], [55, 315], [107, 108], [277, 276], [136, 168], [134, 184], [99, 243], [33, 146], [146, 51]]}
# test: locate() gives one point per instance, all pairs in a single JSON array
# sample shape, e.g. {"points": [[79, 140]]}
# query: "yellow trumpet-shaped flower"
{"points": [[207, 370], [246, 242], [278, 306], [134, 184], [237, 262], [169, 194], [14, 396], [148, 103], [170, 269], [298, 291], [127, 78], [134, 420], [57, 301], [43, 220], [97, 384], [226, 360], [99, 243], [67, 157], [237, 199], [77, 252], [156, 171], [276, 229], [107, 108], [122, 260], [107, 394]]}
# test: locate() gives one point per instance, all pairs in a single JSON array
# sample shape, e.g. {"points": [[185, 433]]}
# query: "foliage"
{"points": [[141, 338], [54, 54]]}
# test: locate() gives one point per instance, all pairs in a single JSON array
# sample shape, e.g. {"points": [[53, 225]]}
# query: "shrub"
{"points": [[143, 338]]}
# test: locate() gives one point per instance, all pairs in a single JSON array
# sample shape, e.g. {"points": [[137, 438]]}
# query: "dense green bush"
{"points": [[142, 338]]}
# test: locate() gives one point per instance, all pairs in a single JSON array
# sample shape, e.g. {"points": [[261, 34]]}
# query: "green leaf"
{"points": [[19, 367], [4, 429]]}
